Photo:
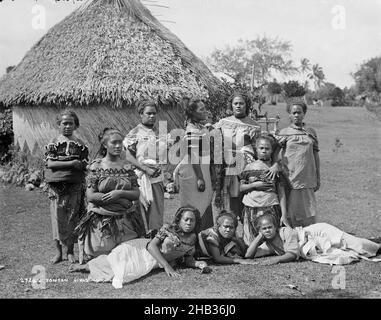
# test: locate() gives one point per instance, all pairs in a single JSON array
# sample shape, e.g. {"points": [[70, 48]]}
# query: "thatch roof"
{"points": [[107, 51]]}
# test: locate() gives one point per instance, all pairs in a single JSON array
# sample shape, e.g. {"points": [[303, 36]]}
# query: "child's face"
{"points": [[226, 228], [114, 144], [187, 222], [267, 229], [296, 115], [67, 125], [264, 150]]}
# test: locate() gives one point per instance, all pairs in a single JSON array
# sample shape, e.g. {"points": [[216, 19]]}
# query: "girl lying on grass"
{"points": [[135, 258], [220, 242], [319, 242]]}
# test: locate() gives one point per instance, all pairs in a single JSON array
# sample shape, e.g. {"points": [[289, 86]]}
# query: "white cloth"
{"points": [[324, 243], [130, 261]]}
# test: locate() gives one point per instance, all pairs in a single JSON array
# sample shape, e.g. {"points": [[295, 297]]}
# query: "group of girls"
{"points": [[274, 186]]}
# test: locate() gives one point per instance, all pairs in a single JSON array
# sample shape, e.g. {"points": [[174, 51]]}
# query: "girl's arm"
{"points": [[317, 164], [117, 194], [253, 247], [131, 159], [192, 263], [199, 176], [287, 257], [94, 196], [257, 185], [154, 250], [283, 204], [58, 165], [218, 258]]}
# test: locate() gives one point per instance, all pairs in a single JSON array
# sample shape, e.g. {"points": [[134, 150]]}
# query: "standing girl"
{"points": [[144, 144], [301, 165], [261, 194], [112, 187], [66, 158], [193, 172]]}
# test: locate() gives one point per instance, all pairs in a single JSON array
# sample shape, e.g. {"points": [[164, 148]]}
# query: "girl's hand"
{"points": [[260, 185], [150, 171], [171, 272], [111, 196], [201, 185], [201, 264], [318, 185], [246, 261], [270, 262], [77, 164], [273, 171], [285, 222]]}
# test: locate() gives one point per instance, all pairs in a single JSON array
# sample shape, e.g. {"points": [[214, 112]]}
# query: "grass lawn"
{"points": [[348, 198]]}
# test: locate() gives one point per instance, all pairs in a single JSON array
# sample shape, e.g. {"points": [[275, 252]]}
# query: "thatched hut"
{"points": [[100, 60]]}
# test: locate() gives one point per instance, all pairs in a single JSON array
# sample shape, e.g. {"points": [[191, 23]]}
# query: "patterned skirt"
{"points": [[66, 208], [99, 234]]}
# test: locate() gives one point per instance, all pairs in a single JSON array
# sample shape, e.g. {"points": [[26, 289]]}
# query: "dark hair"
{"points": [[67, 112], [105, 134], [226, 214], [245, 98], [297, 103], [146, 103], [266, 137], [267, 215], [179, 214], [191, 107]]}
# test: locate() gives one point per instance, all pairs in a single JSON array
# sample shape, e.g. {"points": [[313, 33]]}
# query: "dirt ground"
{"points": [[349, 199]]}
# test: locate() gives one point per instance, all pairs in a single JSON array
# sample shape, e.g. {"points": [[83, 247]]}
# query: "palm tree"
{"points": [[317, 75], [305, 67]]}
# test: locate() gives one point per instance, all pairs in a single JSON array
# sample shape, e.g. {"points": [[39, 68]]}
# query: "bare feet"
{"points": [[71, 258], [56, 259], [79, 268]]}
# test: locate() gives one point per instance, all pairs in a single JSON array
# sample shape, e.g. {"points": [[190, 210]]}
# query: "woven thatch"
{"points": [[107, 51], [35, 126]]}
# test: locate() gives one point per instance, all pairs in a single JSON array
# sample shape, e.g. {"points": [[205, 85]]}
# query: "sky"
{"points": [[339, 35]]}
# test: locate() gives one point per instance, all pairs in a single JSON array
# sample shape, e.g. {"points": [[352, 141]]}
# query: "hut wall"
{"points": [[35, 126]]}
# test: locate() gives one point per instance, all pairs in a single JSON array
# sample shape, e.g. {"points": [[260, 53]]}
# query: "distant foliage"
{"points": [[293, 89], [368, 76]]}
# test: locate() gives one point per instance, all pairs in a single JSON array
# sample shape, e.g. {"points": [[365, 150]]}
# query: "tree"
{"points": [[304, 69], [273, 89], [293, 89], [368, 77], [317, 76], [254, 60]]}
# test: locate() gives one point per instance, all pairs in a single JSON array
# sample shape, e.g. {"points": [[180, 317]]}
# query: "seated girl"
{"points": [[319, 242], [261, 193], [135, 258], [220, 242]]}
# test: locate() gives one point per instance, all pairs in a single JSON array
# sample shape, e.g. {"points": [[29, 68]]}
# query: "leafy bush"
{"points": [[293, 89], [6, 135]]}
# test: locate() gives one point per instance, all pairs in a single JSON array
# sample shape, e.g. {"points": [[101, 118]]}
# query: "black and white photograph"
{"points": [[205, 151]]}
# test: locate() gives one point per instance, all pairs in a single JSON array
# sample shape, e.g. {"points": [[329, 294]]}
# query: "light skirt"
{"points": [[127, 262]]}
